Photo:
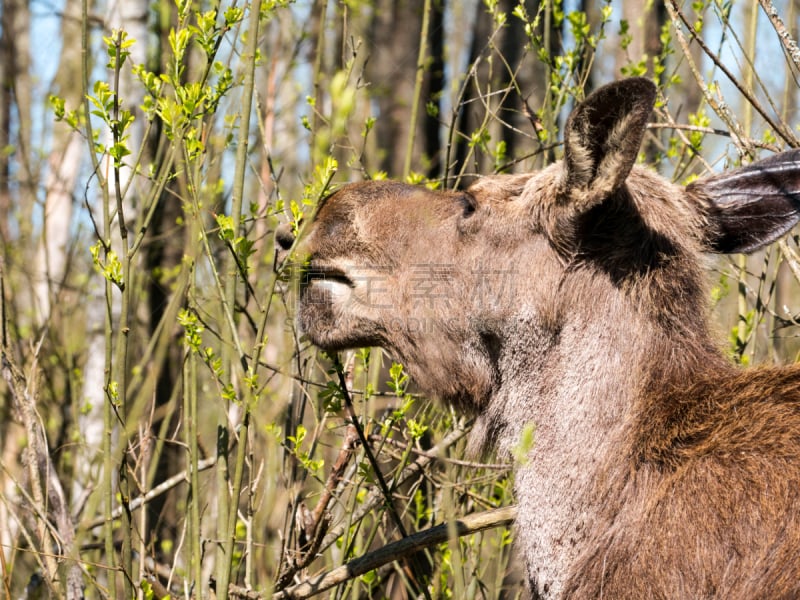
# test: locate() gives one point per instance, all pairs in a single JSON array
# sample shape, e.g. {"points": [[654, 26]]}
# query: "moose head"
{"points": [[572, 299]]}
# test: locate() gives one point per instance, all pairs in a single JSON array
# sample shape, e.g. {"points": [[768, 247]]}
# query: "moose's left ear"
{"points": [[602, 139], [752, 206]]}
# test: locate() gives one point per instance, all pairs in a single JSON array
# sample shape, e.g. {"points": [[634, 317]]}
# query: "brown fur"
{"points": [[573, 299]]}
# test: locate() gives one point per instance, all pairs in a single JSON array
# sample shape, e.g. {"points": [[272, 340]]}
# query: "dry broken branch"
{"points": [[403, 548]]}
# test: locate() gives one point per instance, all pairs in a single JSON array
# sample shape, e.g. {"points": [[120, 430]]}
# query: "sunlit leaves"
{"points": [[205, 32], [117, 48], [108, 265], [73, 118], [192, 329], [700, 120], [303, 456]]}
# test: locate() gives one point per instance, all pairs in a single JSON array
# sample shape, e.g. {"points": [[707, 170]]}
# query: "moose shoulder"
{"points": [[573, 299]]}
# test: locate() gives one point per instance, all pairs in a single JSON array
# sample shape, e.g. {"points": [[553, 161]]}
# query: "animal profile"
{"points": [[573, 300]]}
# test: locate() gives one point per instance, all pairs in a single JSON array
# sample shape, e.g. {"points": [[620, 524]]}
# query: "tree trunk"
{"points": [[6, 82], [16, 25], [392, 70], [50, 267]]}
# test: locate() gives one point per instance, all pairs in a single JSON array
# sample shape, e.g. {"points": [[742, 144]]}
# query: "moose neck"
{"points": [[583, 390]]}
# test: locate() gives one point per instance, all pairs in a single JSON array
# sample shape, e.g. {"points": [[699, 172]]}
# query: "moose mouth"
{"points": [[317, 272], [325, 285]]}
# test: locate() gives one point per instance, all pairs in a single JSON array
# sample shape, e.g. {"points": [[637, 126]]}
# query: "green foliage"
{"points": [[109, 266], [721, 290], [399, 379], [525, 443], [296, 440], [192, 329], [171, 281], [701, 120]]}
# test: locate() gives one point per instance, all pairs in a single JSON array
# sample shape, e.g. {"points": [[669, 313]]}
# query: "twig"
{"points": [[161, 488], [792, 258], [337, 472], [375, 497], [454, 461], [696, 128], [385, 490], [47, 492], [788, 43], [709, 130], [687, 144], [348, 402], [720, 108]]}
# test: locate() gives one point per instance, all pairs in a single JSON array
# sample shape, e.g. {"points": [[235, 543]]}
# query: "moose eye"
{"points": [[465, 223], [468, 205]]}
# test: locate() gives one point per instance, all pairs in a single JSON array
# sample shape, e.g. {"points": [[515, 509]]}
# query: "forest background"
{"points": [[164, 428]]}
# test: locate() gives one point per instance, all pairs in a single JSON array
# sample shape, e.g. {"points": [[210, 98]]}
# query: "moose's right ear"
{"points": [[602, 137], [751, 206]]}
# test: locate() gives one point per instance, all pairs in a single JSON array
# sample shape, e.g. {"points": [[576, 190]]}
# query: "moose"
{"points": [[573, 301]]}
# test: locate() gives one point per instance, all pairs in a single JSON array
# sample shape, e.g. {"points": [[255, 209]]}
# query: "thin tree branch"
{"points": [[453, 461], [47, 493], [385, 490], [467, 525], [161, 488], [375, 497], [418, 81], [788, 43], [348, 402]]}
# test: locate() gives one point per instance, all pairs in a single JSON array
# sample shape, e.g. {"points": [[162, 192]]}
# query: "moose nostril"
{"points": [[284, 237]]}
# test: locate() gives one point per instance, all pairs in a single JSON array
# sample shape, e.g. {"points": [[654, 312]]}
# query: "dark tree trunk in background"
{"points": [[509, 83], [472, 112], [526, 85], [163, 254], [6, 82], [645, 19], [432, 91], [391, 70], [17, 92]]}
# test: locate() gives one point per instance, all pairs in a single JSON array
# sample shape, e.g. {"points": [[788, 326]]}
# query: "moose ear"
{"points": [[602, 139], [751, 206]]}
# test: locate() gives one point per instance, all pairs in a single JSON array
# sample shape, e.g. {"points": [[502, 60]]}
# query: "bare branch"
{"points": [[47, 492], [788, 43], [161, 488]]}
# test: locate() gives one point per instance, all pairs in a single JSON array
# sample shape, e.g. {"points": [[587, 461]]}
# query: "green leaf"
{"points": [[525, 443], [226, 226]]}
